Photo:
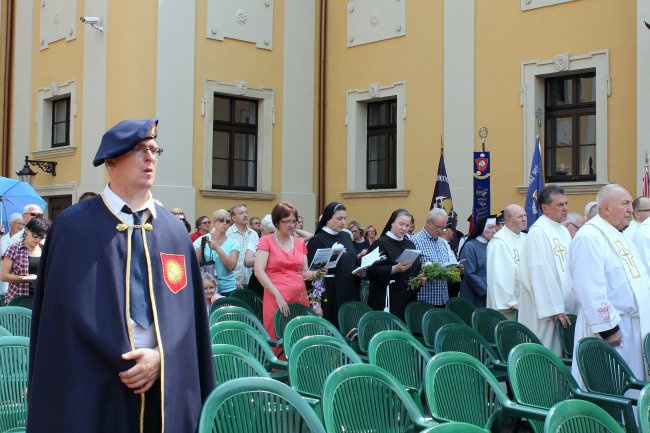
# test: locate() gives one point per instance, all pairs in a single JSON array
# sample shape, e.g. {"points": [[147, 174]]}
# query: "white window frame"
{"points": [[356, 121], [265, 121], [533, 75], [45, 96]]}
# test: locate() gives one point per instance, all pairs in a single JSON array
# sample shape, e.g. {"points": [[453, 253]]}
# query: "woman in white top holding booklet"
{"points": [[388, 272], [340, 284]]}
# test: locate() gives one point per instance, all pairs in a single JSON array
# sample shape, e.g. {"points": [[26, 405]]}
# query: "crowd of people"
{"points": [[133, 320]]}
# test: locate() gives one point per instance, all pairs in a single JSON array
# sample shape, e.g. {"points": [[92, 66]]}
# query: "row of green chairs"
{"points": [[14, 362], [21, 301], [243, 298], [16, 320]]}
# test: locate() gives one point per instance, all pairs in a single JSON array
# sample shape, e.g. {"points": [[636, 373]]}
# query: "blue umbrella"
{"points": [[14, 196]]}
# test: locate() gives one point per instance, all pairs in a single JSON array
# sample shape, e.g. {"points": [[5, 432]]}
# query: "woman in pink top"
{"points": [[281, 266]]}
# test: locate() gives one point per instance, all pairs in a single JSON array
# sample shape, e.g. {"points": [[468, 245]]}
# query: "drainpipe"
{"points": [[8, 84], [321, 105]]}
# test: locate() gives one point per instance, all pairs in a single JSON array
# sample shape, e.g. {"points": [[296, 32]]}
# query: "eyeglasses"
{"points": [[142, 150], [577, 228], [221, 220], [643, 210], [288, 222], [205, 222], [41, 236], [33, 214]]}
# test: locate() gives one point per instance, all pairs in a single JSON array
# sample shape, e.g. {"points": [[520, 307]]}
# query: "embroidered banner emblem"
{"points": [[174, 271]]}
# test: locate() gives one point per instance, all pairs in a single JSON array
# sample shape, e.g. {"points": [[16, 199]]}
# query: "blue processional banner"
{"points": [[481, 170]]}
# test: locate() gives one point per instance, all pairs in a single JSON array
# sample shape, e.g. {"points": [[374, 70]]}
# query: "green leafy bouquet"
{"points": [[434, 271]]}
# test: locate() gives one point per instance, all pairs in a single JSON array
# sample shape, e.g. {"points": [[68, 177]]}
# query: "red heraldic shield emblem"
{"points": [[174, 271]]}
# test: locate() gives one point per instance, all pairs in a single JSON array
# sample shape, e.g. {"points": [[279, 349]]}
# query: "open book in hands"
{"points": [[368, 260], [327, 257]]}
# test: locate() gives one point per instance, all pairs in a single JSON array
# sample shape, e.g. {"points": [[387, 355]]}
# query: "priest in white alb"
{"points": [[610, 281], [503, 253], [545, 285]]}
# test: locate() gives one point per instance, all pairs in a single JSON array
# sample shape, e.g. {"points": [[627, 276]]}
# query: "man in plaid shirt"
{"points": [[434, 249]]}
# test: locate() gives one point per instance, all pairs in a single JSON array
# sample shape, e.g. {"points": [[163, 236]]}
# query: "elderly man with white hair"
{"points": [[640, 213], [435, 250], [610, 281], [16, 228]]}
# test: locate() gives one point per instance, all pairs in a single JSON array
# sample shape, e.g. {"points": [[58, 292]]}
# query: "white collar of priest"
{"points": [[394, 236], [116, 203], [330, 231]]}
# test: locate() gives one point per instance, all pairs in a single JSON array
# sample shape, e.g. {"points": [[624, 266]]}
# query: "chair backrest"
{"points": [[463, 308], [14, 368], [644, 408], [485, 320], [314, 358], [462, 338], [363, 398], [228, 301], [17, 320], [257, 405], [238, 314], [646, 349], [455, 427], [304, 326], [436, 319], [252, 299], [375, 321], [232, 362], [4, 332], [402, 355], [295, 310], [566, 335], [509, 334], [22, 301], [413, 314], [243, 336], [602, 368], [349, 315], [460, 388], [578, 416]]}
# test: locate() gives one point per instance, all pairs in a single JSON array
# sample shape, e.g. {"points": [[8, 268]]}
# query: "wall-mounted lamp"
{"points": [[26, 174], [94, 22]]}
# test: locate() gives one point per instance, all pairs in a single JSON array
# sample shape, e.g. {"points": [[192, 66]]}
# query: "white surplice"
{"points": [[631, 229], [503, 256], [611, 284], [641, 239], [545, 284]]}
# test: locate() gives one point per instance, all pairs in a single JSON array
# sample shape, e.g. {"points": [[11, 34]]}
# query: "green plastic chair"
{"points": [[304, 326], [509, 334], [359, 398], [280, 320], [228, 301], [17, 320], [375, 321], [232, 362], [257, 405], [484, 321], [14, 368], [403, 356], [312, 360], [539, 378], [244, 315], [434, 320], [252, 299], [644, 409], [603, 369], [576, 416], [455, 427], [460, 388], [248, 338], [463, 308], [566, 335], [462, 338], [4, 332], [22, 301], [413, 314], [349, 315], [646, 350]]}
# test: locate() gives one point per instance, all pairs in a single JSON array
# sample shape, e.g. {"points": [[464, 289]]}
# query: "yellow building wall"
{"points": [[227, 61], [417, 59], [506, 37]]}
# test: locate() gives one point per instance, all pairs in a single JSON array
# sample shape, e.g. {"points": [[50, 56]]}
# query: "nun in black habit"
{"points": [[388, 272], [340, 284]]}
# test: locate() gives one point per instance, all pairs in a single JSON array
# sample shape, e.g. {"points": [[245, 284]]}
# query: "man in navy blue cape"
{"points": [[93, 366]]}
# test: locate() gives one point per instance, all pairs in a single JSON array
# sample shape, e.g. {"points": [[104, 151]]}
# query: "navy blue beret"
{"points": [[123, 137]]}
